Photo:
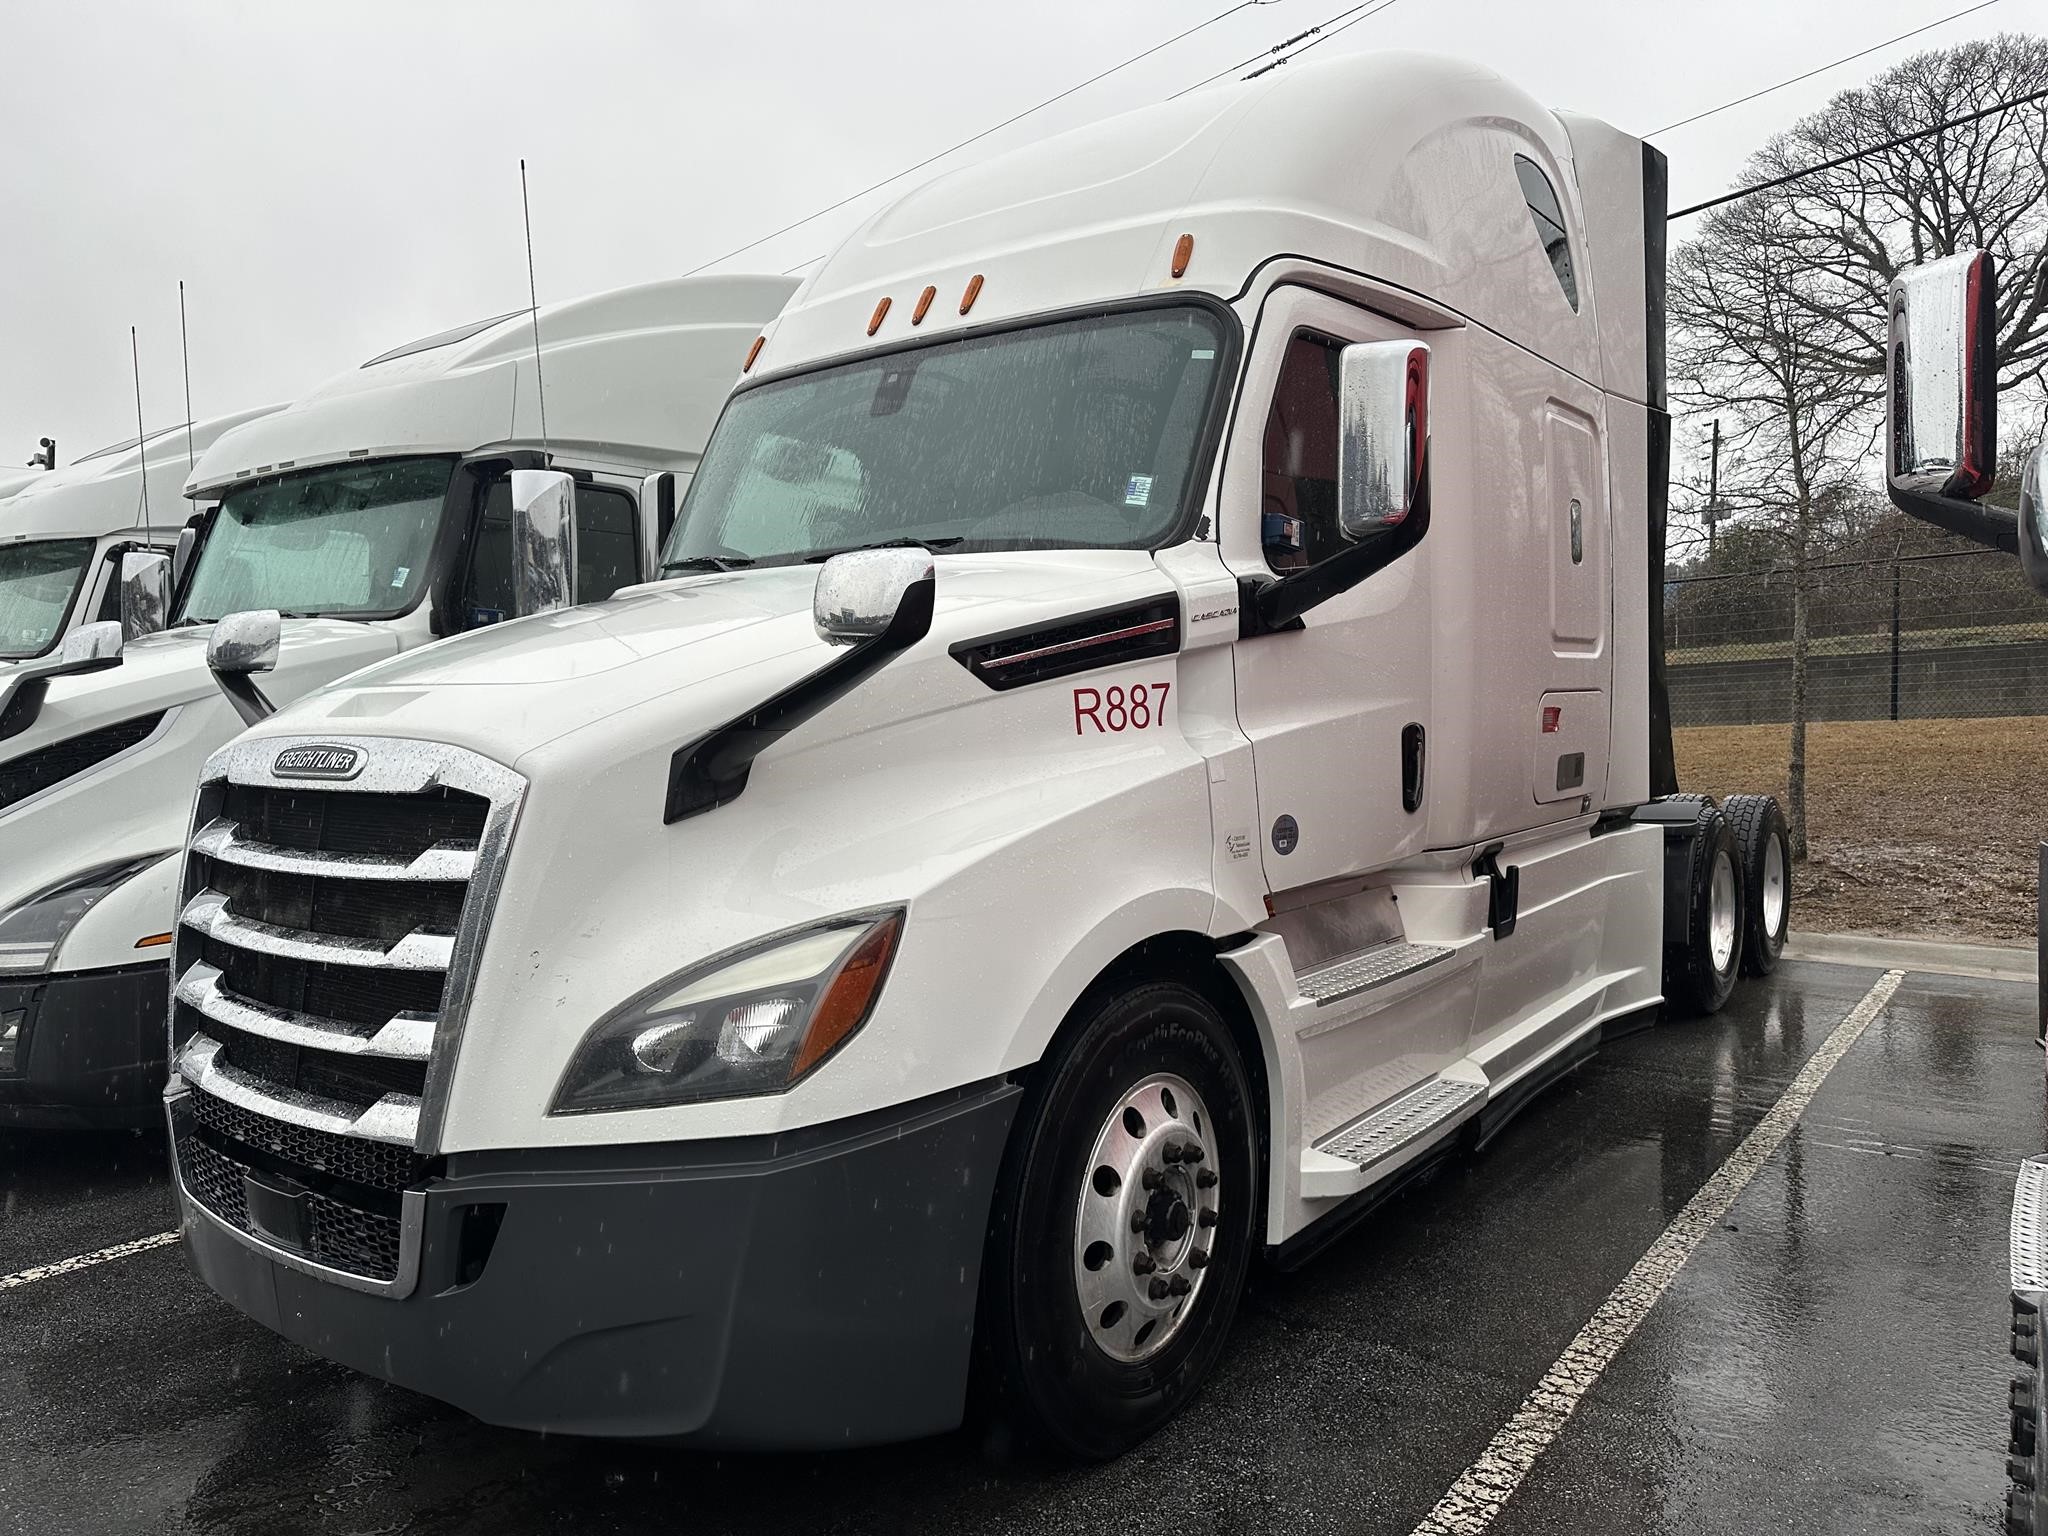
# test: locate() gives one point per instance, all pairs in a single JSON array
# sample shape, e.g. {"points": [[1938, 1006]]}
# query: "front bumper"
{"points": [[91, 1048], [811, 1289]]}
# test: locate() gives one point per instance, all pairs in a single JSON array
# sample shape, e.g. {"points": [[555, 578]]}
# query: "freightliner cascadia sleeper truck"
{"points": [[1941, 458], [1151, 735], [372, 513]]}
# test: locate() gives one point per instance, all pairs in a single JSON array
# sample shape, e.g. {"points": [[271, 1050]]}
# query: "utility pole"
{"points": [[1713, 490]]}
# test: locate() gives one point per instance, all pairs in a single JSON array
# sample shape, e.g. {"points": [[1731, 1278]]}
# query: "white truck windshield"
{"points": [[349, 540], [1077, 434], [38, 580]]}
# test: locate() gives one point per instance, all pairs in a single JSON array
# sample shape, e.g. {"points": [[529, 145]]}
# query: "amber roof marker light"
{"points": [[881, 310], [753, 352], [973, 292], [1183, 252], [924, 302]]}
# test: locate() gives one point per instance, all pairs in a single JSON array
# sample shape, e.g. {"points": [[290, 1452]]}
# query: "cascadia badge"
{"points": [[318, 762]]}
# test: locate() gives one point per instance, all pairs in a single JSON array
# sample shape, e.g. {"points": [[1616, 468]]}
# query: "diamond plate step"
{"points": [[1374, 968], [1412, 1117]]}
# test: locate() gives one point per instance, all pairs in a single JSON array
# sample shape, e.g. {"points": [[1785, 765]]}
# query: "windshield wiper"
{"points": [[934, 545], [708, 563]]}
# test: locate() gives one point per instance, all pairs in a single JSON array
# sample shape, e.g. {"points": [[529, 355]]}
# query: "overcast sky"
{"points": [[333, 179]]}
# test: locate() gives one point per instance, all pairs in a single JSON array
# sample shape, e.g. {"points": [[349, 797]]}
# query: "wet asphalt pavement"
{"points": [[1831, 1359]]}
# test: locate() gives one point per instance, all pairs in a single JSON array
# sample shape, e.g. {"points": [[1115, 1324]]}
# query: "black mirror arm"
{"points": [[247, 698], [712, 770], [22, 693], [1993, 527], [1270, 607]]}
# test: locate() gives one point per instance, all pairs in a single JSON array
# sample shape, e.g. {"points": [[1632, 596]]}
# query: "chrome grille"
{"points": [[325, 954]]}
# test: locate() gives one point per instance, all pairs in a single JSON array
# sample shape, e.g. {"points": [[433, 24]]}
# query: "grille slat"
{"points": [[346, 821]]}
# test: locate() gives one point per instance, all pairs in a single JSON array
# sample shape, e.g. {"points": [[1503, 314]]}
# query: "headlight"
{"points": [[755, 1020], [31, 932]]}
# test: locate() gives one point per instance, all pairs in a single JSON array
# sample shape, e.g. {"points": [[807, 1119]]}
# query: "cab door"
{"points": [[1334, 709]]}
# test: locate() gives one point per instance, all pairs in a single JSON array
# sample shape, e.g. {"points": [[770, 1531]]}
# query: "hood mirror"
{"points": [[1383, 428], [243, 644], [88, 648], [861, 593], [543, 541], [145, 593]]}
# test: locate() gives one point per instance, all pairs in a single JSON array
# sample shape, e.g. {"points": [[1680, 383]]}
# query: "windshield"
{"points": [[1080, 434], [351, 540], [38, 580]]}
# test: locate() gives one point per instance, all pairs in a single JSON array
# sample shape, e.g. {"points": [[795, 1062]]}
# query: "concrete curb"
{"points": [[1993, 962]]}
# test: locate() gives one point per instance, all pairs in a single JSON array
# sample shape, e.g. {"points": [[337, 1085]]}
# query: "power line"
{"points": [[978, 137], [1277, 48], [1823, 69], [1326, 36], [1873, 149]]}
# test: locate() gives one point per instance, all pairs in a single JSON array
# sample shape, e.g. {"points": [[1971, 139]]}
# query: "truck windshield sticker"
{"points": [[398, 576], [1114, 709], [1137, 490]]}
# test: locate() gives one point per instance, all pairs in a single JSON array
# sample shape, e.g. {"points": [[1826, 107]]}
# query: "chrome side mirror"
{"points": [[860, 593], [242, 644], [88, 648], [145, 593], [2034, 519], [181, 558], [1941, 422], [1383, 433], [543, 541]]}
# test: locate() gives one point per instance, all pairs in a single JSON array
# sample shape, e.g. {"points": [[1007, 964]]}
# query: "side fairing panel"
{"points": [[1628, 482]]}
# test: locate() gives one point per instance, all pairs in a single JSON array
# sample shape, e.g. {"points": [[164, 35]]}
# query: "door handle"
{"points": [[1413, 754]]}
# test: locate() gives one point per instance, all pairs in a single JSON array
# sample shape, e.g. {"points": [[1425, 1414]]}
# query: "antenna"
{"points": [[533, 298], [141, 453], [185, 348]]}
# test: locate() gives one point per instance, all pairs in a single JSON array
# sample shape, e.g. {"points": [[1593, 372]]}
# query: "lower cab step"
{"points": [[1347, 1160]]}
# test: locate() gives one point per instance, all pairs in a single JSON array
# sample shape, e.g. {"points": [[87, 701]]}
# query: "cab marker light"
{"points": [[755, 351], [924, 302], [154, 941], [1183, 252], [881, 309], [973, 292]]}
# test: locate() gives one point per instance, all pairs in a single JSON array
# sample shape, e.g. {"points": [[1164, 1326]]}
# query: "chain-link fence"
{"points": [[1925, 636]]}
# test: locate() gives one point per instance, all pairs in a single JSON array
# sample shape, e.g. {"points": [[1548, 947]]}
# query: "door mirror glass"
{"points": [[245, 642], [2034, 518], [89, 648], [543, 541], [1941, 416], [859, 592], [1383, 432], [145, 593]]}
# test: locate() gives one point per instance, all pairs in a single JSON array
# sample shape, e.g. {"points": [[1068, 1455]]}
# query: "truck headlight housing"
{"points": [[31, 931], [752, 1021]]}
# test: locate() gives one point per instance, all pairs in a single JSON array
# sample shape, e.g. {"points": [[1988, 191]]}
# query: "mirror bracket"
{"points": [[88, 648], [243, 644], [1271, 606]]}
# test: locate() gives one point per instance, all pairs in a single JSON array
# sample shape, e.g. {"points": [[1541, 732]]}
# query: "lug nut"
{"points": [[1159, 1288], [1206, 1219], [1197, 1259], [1191, 1153], [1144, 1264], [1137, 1221], [1171, 1152], [1205, 1178], [1178, 1285], [1151, 1178]]}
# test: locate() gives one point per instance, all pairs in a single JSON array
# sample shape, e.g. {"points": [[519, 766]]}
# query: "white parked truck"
{"points": [[64, 532], [1153, 736], [372, 515]]}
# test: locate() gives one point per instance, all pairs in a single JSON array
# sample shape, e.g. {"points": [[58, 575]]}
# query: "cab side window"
{"points": [[607, 551], [1298, 485], [1548, 215]]}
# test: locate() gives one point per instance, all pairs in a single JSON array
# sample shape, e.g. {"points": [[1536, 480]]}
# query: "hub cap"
{"points": [[1146, 1219], [1774, 886], [1721, 913]]}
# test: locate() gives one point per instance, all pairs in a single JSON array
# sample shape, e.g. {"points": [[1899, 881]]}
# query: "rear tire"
{"points": [[1700, 970], [1101, 1203], [1763, 849]]}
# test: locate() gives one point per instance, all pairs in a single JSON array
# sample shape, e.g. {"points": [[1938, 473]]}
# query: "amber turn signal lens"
{"points": [[848, 997], [1183, 252], [973, 292], [924, 302], [753, 352], [154, 941], [881, 309]]}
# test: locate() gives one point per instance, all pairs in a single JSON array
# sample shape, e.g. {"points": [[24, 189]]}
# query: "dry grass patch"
{"points": [[1920, 827]]}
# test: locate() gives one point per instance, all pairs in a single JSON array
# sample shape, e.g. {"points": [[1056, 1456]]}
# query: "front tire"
{"points": [[1124, 1222]]}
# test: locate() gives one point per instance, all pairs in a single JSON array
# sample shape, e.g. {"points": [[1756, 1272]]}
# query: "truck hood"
{"points": [[163, 670], [700, 650]]}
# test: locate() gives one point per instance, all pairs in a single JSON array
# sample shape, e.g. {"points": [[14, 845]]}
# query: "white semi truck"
{"points": [[1153, 735], [64, 532], [372, 514]]}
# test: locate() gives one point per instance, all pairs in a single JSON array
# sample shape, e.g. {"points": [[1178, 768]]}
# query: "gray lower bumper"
{"points": [[805, 1290]]}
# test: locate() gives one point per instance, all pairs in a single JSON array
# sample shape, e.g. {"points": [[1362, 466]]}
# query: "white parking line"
{"points": [[86, 1260], [1478, 1496]]}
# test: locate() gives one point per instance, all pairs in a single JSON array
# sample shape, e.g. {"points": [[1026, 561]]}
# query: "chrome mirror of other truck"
{"points": [[2034, 518], [1941, 408], [145, 593], [181, 558], [88, 648], [1383, 425], [859, 592], [543, 541], [242, 644]]}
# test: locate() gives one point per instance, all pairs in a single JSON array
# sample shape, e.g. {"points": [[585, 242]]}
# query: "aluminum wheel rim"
{"points": [[1774, 886], [1721, 913], [1145, 1217]]}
